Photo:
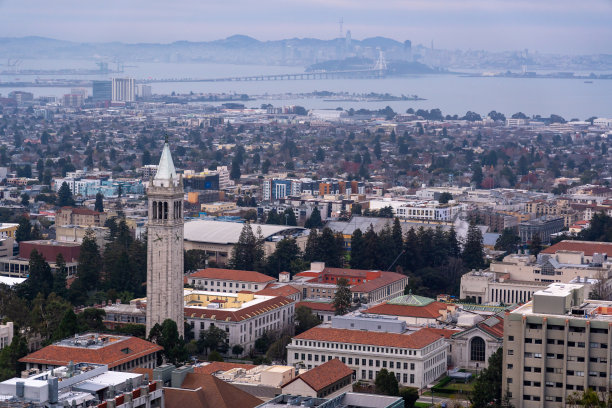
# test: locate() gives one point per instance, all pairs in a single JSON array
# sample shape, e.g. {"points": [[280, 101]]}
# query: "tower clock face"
{"points": [[157, 238]]}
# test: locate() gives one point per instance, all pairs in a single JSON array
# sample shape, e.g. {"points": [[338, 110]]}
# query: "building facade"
{"points": [[165, 245], [123, 90]]}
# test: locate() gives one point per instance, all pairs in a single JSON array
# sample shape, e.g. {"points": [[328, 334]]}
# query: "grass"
{"points": [[422, 405]]}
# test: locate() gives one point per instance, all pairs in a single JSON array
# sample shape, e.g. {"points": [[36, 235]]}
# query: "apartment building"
{"points": [[555, 345], [367, 344], [80, 216]]}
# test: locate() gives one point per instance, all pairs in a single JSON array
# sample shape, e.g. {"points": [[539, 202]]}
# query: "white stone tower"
{"points": [[165, 245]]}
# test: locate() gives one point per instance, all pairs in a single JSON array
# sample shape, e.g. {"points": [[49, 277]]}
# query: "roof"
{"points": [[80, 210], [415, 340], [111, 354], [411, 300], [284, 290], [589, 248], [385, 279], [237, 315], [224, 232], [493, 325], [207, 391], [324, 375], [217, 366], [232, 274], [166, 170], [320, 306], [430, 310]]}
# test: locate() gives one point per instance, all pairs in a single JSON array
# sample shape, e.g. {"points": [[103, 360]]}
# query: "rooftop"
{"points": [[224, 233], [232, 274], [324, 375], [589, 248]]}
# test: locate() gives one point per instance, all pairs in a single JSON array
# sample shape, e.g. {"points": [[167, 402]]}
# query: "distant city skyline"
{"points": [[562, 26]]}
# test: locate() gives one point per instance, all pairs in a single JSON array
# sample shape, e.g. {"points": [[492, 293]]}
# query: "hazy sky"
{"points": [[569, 26]]}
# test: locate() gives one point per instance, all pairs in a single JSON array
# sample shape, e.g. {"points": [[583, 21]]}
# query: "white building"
{"points": [[77, 186], [6, 334], [429, 210], [229, 280], [244, 316], [123, 90], [603, 122], [416, 357]]}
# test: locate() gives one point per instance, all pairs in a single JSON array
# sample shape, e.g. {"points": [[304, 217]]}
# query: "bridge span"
{"points": [[366, 73]]}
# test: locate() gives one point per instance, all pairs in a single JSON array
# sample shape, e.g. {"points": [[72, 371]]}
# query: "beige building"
{"points": [[217, 208], [555, 345], [80, 216], [165, 245], [6, 334]]}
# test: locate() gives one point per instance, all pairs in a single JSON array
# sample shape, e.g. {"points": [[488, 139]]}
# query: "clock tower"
{"points": [[165, 245]]}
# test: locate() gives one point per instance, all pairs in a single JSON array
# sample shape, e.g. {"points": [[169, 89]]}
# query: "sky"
{"points": [[557, 26]]}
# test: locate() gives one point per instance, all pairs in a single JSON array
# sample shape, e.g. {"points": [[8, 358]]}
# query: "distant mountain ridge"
{"points": [[243, 49]]}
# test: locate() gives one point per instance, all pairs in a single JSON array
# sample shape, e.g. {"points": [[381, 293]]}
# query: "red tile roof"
{"points": [[111, 354], [497, 330], [237, 315], [324, 375], [415, 340], [232, 274], [589, 248], [285, 290], [217, 366], [80, 210], [386, 279], [320, 306], [430, 311], [207, 391]]}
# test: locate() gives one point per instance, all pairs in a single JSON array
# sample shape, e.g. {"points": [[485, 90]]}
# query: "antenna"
{"points": [[340, 22]]}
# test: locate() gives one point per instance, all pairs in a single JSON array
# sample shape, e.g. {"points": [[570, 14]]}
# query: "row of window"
{"points": [[349, 361], [572, 329], [371, 375], [357, 347], [225, 284]]}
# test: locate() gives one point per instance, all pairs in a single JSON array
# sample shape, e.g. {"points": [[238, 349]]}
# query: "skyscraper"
{"points": [[102, 91], [124, 90], [165, 245]]}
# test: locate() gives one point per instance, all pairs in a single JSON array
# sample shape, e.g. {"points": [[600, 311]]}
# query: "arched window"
{"points": [[477, 349], [165, 210]]}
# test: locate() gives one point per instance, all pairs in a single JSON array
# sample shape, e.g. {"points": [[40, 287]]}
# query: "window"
{"points": [[477, 349]]}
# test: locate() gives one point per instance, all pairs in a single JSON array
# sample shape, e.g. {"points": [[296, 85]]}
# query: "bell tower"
{"points": [[165, 245]]}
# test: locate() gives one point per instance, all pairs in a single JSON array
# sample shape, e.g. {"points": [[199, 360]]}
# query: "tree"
{"points": [[445, 197], [305, 319], [342, 298], [320, 155], [215, 356], [265, 167], [410, 396], [477, 175], [237, 350], [508, 241], [68, 326], [40, 278], [194, 260], [248, 253], [212, 339], [9, 357], [89, 264], [99, 205], [286, 257], [64, 196], [288, 218], [331, 248], [167, 336], [59, 280], [24, 230], [488, 384], [386, 383], [25, 200], [314, 221], [235, 171], [278, 349], [535, 246], [473, 251], [357, 250]]}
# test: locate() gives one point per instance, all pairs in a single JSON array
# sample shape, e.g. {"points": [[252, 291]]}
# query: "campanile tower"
{"points": [[165, 245]]}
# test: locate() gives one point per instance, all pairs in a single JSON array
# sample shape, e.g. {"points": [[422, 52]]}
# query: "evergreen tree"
{"points": [[535, 246], [377, 150], [320, 155], [331, 248], [508, 241], [473, 251], [64, 196], [343, 297], [488, 384], [194, 259], [273, 217], [9, 357], [288, 218], [59, 280], [68, 326], [357, 250], [314, 221], [287, 257], [89, 264], [412, 255], [39, 279], [477, 175], [398, 236], [25, 200], [248, 253], [99, 205], [24, 230], [305, 319], [454, 250], [40, 169], [386, 383], [313, 251], [235, 171]]}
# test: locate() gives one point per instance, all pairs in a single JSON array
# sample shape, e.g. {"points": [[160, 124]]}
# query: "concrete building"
{"points": [[347, 399], [123, 90], [165, 245], [542, 227], [471, 348], [327, 380], [119, 353], [367, 345], [244, 316], [555, 345], [102, 91], [81, 385]]}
